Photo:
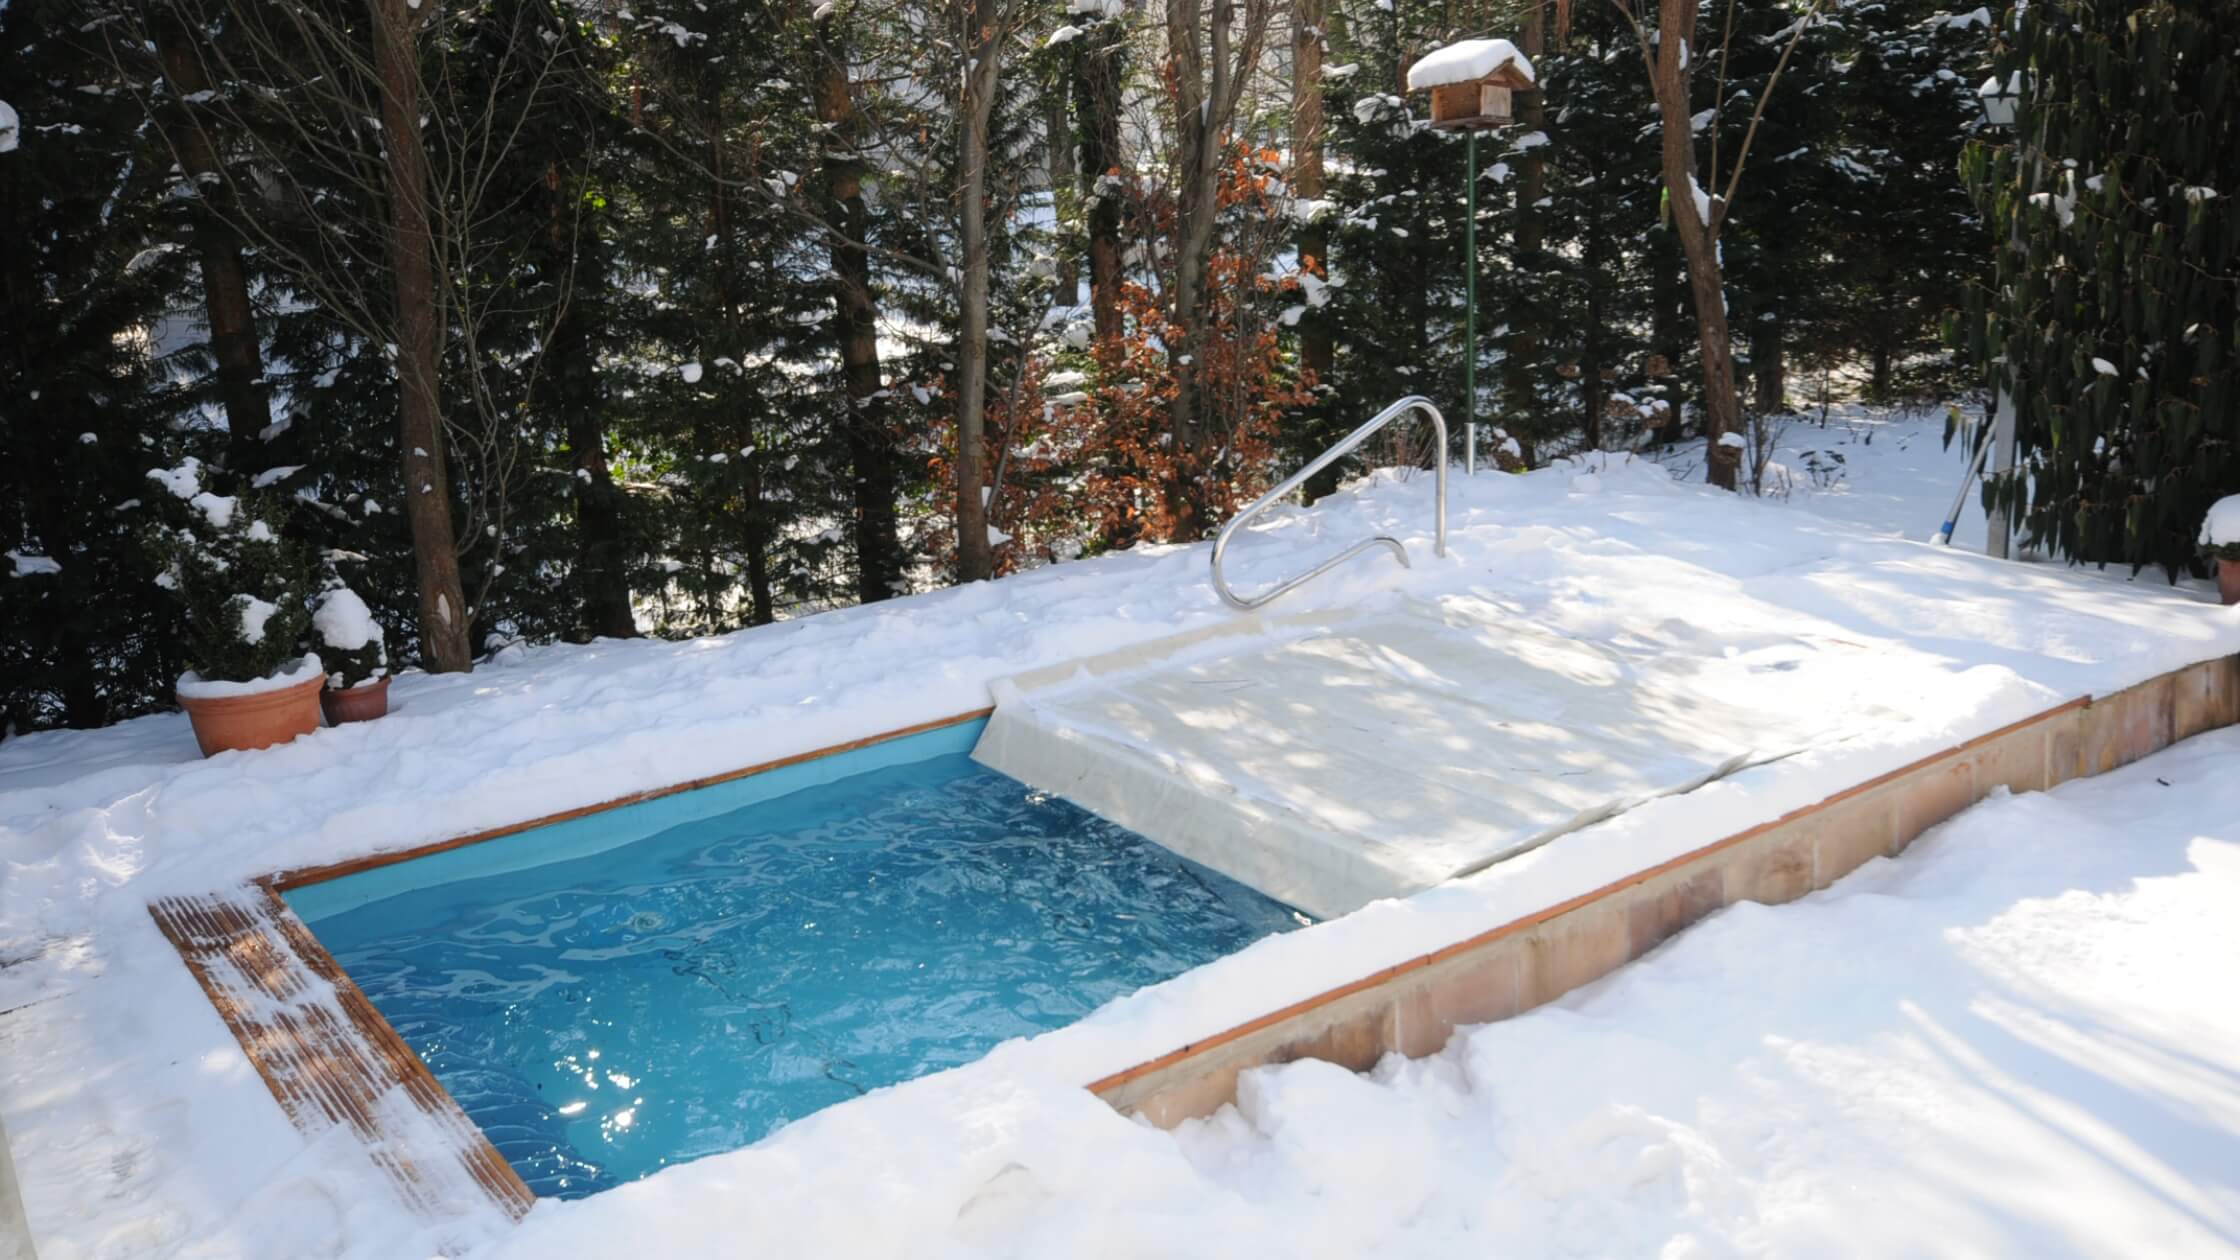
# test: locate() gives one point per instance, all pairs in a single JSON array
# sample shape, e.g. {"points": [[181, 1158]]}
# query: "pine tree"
{"points": [[86, 404], [2115, 320], [1581, 297], [1907, 241]]}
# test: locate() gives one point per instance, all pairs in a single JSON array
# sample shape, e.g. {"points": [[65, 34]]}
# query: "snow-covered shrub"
{"points": [[349, 639], [246, 588], [2220, 529]]}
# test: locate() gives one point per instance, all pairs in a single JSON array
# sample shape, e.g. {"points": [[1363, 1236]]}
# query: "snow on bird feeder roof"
{"points": [[1471, 82], [1468, 62]]}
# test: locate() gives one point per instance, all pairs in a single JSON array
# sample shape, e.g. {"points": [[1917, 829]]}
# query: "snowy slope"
{"points": [[139, 1128]]}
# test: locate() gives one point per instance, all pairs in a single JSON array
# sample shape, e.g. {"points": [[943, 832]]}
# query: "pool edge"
{"points": [[327, 1056], [1413, 1007], [297, 877], [1410, 1007]]}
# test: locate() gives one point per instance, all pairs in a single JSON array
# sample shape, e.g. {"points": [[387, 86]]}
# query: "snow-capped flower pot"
{"points": [[362, 703], [229, 716], [2220, 542], [245, 589], [357, 657]]}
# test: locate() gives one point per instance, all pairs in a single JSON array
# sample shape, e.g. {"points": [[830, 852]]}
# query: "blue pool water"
{"points": [[681, 977]]}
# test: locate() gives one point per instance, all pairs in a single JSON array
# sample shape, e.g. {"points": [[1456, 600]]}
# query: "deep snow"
{"points": [[140, 1129]]}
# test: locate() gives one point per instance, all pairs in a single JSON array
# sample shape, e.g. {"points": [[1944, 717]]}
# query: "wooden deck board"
{"points": [[328, 1056]]}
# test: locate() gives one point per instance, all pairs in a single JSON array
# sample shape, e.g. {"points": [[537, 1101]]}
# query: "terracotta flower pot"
{"points": [[2228, 580], [361, 703], [258, 720]]}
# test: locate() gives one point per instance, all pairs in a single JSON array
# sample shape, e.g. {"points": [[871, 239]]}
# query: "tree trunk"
{"points": [[1065, 273], [762, 603], [975, 557], [225, 277], [444, 641], [1879, 384], [1594, 391], [1699, 240], [1769, 366], [1309, 17], [1097, 99], [602, 572], [1520, 367], [871, 445], [601, 552], [1197, 133]]}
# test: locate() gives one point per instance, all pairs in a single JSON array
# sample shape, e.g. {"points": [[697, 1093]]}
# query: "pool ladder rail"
{"points": [[1414, 402]]}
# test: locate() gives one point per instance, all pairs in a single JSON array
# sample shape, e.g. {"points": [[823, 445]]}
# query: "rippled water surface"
{"points": [[690, 992]]}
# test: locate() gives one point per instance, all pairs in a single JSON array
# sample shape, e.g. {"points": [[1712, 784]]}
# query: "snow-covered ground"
{"points": [[140, 1129]]}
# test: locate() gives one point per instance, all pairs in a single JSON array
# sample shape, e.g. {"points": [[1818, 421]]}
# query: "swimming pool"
{"points": [[675, 978]]}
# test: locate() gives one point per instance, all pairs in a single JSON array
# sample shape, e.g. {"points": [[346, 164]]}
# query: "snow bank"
{"points": [[1465, 61], [136, 1119]]}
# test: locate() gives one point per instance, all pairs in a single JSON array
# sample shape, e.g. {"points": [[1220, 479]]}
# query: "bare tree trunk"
{"points": [[1097, 98], [1309, 18], [444, 640], [225, 277], [983, 52], [1697, 228], [871, 447]]}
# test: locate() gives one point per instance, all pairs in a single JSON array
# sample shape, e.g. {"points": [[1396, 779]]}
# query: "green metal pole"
{"points": [[1470, 281]]}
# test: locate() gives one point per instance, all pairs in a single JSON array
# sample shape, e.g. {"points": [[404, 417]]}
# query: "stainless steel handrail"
{"points": [[1414, 402]]}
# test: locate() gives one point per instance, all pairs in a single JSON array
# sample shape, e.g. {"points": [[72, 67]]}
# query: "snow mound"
{"points": [[193, 686], [1463, 62], [2221, 527], [343, 621]]}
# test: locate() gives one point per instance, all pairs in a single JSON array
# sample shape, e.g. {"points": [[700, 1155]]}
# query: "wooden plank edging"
{"points": [[322, 1049]]}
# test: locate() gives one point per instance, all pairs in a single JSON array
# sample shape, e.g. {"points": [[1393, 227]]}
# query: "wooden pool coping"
{"points": [[329, 1057]]}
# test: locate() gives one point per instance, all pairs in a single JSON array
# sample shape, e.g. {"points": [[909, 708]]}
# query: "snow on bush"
{"points": [[244, 585], [28, 564], [349, 639], [2220, 529]]}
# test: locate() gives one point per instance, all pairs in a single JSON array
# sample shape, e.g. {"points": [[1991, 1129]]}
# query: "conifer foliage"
{"points": [[591, 320], [2115, 317]]}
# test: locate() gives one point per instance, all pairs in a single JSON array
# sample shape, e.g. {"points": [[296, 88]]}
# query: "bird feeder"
{"points": [[1473, 83], [1471, 86]]}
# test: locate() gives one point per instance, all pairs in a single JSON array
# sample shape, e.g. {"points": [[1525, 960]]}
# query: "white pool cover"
{"points": [[1330, 759]]}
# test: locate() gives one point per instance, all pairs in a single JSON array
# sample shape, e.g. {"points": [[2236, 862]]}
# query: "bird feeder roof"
{"points": [[1467, 62]]}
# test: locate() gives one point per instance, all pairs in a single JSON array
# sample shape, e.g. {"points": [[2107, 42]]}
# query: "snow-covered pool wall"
{"points": [[1413, 1007]]}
